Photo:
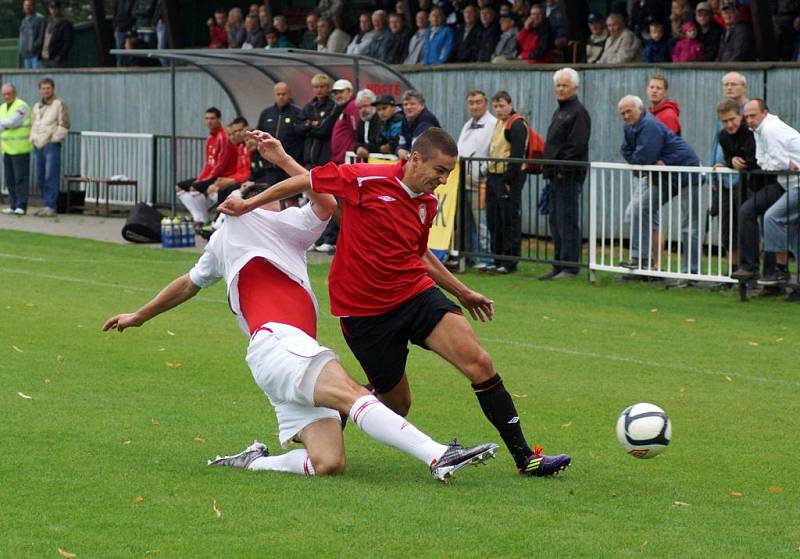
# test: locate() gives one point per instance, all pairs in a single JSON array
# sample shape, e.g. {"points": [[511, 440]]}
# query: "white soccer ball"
{"points": [[644, 430]]}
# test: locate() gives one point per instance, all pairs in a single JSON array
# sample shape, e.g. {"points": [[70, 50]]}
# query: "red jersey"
{"points": [[242, 164], [220, 156], [384, 232], [263, 294]]}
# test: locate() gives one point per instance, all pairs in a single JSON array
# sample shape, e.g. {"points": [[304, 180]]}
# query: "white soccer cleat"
{"points": [[456, 457], [244, 458]]}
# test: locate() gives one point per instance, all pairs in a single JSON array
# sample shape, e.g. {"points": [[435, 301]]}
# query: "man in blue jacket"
{"points": [[439, 39], [649, 142], [416, 120]]}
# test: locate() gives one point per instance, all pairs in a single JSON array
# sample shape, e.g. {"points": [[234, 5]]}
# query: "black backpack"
{"points": [[143, 225]]}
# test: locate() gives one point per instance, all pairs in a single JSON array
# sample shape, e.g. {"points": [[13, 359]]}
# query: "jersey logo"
{"points": [[386, 198], [423, 212]]}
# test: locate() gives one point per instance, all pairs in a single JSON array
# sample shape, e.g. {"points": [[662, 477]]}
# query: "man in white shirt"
{"points": [[777, 149], [474, 141], [261, 257]]}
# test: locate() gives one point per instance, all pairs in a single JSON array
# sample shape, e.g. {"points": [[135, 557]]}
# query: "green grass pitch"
{"points": [[105, 437]]}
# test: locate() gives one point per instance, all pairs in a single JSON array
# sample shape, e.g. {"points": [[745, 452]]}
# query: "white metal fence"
{"points": [[667, 222]]}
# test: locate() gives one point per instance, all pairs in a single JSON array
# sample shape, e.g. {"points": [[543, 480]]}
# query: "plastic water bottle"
{"points": [[177, 238], [189, 232], [166, 237]]}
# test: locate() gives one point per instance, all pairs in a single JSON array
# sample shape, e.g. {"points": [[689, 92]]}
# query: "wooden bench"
{"points": [[100, 184]]}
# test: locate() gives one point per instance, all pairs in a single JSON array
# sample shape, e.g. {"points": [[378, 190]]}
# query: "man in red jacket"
{"points": [[343, 138], [536, 38], [664, 109], [220, 162], [219, 190]]}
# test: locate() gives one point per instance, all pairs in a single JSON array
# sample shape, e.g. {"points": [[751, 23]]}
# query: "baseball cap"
{"points": [[729, 6], [688, 25], [703, 7], [594, 16], [384, 100], [339, 85], [54, 4]]}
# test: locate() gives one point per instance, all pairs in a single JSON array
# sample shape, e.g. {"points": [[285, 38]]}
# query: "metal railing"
{"points": [[683, 223], [500, 223]]}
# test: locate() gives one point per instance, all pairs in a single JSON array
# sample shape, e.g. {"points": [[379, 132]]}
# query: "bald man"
{"points": [[284, 121]]}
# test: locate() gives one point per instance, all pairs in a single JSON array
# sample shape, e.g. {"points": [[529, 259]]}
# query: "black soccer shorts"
{"points": [[380, 342], [200, 186]]}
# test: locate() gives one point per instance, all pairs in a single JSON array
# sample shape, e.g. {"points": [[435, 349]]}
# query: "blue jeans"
{"points": [[32, 63], [645, 201], [781, 223], [47, 168], [17, 174]]}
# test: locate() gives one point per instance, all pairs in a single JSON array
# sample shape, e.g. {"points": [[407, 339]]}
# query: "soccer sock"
{"points": [[385, 426], [193, 201], [294, 461], [211, 199], [498, 407]]}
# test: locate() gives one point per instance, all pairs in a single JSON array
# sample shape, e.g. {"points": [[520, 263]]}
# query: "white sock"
{"points": [[211, 199], [294, 461], [193, 201], [385, 426]]}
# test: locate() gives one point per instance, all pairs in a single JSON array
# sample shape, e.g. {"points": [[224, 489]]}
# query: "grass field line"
{"points": [[70, 259], [84, 281], [642, 362], [503, 341]]}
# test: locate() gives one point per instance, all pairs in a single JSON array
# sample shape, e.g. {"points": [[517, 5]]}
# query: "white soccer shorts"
{"points": [[286, 362]]}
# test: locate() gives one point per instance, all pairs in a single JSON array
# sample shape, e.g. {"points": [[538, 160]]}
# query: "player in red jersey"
{"points": [[383, 283], [261, 256]]}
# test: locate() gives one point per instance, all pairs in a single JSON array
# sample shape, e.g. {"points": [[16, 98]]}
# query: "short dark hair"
{"points": [[49, 81], [657, 23], [239, 120], [475, 92], [220, 11], [255, 190], [727, 106], [762, 105], [660, 78], [502, 95], [435, 140], [214, 111]]}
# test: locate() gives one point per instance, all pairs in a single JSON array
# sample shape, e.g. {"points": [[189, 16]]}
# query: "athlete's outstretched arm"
{"points": [[179, 290], [479, 307], [299, 181]]}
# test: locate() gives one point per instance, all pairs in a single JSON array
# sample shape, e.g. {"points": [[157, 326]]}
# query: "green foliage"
{"points": [[107, 457]]}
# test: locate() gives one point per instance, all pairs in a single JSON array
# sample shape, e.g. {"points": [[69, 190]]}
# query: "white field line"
{"points": [[642, 362], [70, 259], [83, 281], [502, 341]]}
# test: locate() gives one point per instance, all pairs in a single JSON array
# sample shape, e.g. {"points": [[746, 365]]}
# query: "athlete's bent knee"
{"points": [[331, 466], [399, 404], [480, 367]]}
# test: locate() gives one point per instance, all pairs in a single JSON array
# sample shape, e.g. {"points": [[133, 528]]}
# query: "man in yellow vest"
{"points": [[15, 131], [504, 184]]}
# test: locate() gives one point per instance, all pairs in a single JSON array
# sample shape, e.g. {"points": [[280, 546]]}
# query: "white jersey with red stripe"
{"points": [[279, 237]]}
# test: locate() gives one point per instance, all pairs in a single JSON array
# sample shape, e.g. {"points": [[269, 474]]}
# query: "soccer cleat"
{"points": [[457, 456], [541, 465], [243, 459]]}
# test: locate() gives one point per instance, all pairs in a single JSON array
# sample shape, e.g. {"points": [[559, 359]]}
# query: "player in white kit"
{"points": [[261, 257]]}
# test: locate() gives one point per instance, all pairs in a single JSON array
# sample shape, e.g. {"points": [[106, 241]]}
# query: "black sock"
{"points": [[498, 407]]}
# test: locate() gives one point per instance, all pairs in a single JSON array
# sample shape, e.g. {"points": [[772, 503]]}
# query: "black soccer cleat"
{"points": [[457, 456], [542, 465]]}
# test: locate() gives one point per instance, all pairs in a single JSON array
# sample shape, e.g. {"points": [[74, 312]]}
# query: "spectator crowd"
{"points": [[652, 31], [446, 31]]}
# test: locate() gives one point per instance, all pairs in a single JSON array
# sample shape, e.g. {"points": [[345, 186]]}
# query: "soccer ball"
{"points": [[644, 430]]}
